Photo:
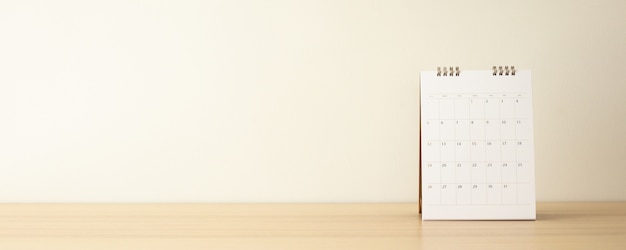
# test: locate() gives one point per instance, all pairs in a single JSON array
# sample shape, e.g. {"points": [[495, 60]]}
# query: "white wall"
{"points": [[288, 101]]}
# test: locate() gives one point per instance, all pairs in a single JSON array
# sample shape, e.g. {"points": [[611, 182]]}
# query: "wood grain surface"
{"points": [[301, 226]]}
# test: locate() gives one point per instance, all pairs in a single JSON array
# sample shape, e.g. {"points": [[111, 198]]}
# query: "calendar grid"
{"points": [[496, 119]]}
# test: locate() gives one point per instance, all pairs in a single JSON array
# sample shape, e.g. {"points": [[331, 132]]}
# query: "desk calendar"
{"points": [[477, 148]]}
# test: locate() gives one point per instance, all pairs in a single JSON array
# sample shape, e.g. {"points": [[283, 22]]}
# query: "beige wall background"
{"points": [[289, 101]]}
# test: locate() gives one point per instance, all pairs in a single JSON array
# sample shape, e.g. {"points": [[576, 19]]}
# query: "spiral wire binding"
{"points": [[506, 70], [448, 71]]}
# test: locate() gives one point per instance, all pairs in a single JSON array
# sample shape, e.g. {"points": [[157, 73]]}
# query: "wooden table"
{"points": [[301, 226]]}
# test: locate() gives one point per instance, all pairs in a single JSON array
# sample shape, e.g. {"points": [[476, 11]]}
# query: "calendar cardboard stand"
{"points": [[477, 147]]}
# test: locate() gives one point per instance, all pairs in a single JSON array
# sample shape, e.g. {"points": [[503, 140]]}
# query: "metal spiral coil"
{"points": [[503, 70], [448, 71]]}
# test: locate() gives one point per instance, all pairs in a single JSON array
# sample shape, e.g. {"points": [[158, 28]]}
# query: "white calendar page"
{"points": [[477, 148]]}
